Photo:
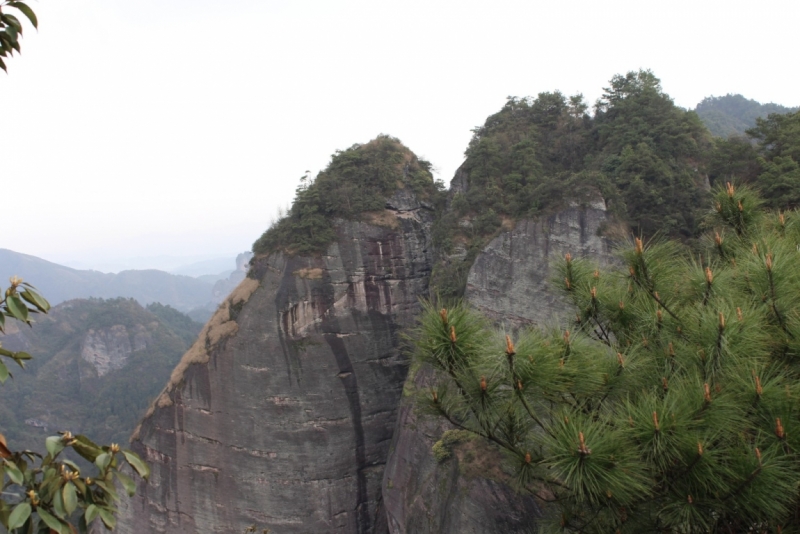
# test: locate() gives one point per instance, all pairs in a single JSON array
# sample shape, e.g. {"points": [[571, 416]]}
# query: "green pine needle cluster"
{"points": [[671, 402]]}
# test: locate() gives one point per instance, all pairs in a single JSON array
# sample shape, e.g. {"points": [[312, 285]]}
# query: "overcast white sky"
{"points": [[177, 127]]}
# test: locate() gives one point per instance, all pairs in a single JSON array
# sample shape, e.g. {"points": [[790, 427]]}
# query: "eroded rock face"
{"points": [[108, 349], [466, 493], [511, 279], [282, 413], [509, 282]]}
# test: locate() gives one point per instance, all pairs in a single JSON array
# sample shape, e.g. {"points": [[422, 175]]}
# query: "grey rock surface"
{"points": [[511, 279], [292, 412], [467, 493], [509, 282], [108, 349], [281, 415]]}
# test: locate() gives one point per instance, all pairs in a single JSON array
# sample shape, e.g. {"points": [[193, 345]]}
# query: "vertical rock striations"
{"points": [[282, 413], [290, 414], [511, 279]]}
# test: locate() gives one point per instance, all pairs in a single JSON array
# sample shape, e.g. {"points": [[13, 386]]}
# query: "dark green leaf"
{"points": [[36, 299], [141, 467], [2, 323], [54, 445], [87, 448], [102, 461], [12, 21], [17, 308], [3, 372], [49, 519], [108, 518], [73, 465], [70, 498], [27, 11], [91, 513], [13, 472], [19, 515], [108, 487], [58, 501]]}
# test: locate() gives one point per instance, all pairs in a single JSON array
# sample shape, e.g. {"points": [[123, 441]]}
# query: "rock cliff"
{"points": [[509, 282], [108, 349], [294, 410], [281, 415]]}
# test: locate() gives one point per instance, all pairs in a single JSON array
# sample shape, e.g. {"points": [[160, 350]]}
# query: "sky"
{"points": [[158, 132]]}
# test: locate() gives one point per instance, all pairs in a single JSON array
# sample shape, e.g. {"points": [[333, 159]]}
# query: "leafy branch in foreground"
{"points": [[48, 493], [11, 28], [669, 405]]}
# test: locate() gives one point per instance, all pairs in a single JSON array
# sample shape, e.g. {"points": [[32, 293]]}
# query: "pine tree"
{"points": [[671, 402]]}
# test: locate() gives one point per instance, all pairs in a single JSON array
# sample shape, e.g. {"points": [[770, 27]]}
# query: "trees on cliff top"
{"points": [[670, 402], [357, 181]]}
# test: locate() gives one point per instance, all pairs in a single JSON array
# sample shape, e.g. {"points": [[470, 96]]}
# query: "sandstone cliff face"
{"points": [[282, 413], [509, 282]]}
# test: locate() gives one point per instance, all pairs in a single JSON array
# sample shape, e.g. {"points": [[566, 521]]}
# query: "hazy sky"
{"points": [[152, 127]]}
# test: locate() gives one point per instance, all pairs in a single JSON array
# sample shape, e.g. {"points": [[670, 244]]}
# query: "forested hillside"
{"points": [[96, 365], [729, 115]]}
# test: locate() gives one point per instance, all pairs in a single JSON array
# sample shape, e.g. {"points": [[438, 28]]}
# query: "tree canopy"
{"points": [[357, 181], [669, 405]]}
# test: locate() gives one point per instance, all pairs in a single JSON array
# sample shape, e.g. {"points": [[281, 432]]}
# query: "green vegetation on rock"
{"points": [[669, 405], [641, 153], [357, 182]]}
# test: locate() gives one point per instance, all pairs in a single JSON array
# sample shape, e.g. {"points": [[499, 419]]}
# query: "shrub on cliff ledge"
{"points": [[358, 180], [670, 405]]}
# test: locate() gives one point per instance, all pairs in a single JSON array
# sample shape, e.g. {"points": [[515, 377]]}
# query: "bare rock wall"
{"points": [[282, 414]]}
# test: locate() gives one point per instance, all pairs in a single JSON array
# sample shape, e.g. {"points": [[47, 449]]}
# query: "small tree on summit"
{"points": [[671, 402]]}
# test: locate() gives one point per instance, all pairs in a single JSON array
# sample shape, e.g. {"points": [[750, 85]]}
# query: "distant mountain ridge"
{"points": [[59, 283], [734, 114]]}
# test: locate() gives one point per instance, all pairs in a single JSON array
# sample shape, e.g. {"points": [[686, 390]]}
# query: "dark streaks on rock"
{"points": [[304, 382], [350, 383]]}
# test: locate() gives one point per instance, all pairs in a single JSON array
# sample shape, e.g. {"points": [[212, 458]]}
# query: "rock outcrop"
{"points": [[294, 411], [511, 279], [509, 282], [108, 349], [281, 415]]}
